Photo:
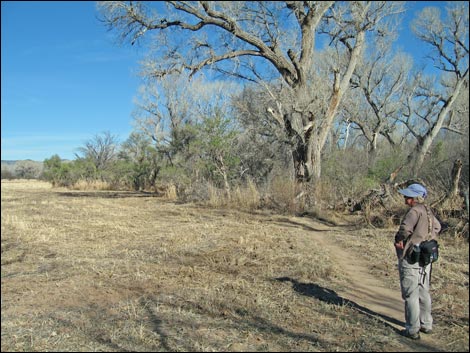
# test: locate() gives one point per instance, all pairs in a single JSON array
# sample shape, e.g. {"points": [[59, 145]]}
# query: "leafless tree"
{"points": [[168, 111], [162, 111], [239, 38], [28, 169], [432, 105], [100, 150], [374, 103]]}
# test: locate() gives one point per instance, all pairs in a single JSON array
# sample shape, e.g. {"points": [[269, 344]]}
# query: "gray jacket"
{"points": [[414, 227]]}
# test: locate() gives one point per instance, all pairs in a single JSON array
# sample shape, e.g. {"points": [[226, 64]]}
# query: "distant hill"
{"points": [[12, 167], [5, 162]]}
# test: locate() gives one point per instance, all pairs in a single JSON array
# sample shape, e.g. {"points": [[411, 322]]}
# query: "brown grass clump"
{"points": [[94, 270], [91, 185], [246, 197]]}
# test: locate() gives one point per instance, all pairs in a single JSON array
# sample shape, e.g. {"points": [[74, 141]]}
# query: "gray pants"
{"points": [[414, 283]]}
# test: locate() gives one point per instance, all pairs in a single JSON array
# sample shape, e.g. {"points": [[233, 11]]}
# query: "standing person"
{"points": [[415, 279]]}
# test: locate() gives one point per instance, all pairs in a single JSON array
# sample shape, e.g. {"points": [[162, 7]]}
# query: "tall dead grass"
{"points": [[114, 271], [246, 197], [281, 195], [91, 185]]}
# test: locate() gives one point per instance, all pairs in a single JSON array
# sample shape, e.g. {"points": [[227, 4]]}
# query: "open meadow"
{"points": [[128, 271]]}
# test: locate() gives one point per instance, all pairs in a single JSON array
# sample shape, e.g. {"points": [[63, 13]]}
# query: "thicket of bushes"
{"points": [[207, 172]]}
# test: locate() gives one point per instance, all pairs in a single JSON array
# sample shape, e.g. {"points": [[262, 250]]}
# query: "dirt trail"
{"points": [[368, 293]]}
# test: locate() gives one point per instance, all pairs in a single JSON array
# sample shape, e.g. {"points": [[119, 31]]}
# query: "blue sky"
{"points": [[64, 79]]}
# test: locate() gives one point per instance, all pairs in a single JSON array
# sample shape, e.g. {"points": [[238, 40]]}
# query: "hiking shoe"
{"points": [[427, 331], [413, 336]]}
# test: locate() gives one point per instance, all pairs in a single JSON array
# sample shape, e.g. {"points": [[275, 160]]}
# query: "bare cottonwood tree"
{"points": [[101, 149], [183, 120], [432, 107], [263, 144], [27, 169], [262, 41], [374, 103], [162, 112]]}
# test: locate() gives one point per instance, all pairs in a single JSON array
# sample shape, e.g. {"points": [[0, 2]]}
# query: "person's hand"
{"points": [[399, 245]]}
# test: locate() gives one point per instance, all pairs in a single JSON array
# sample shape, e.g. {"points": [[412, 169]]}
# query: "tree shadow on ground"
{"points": [[164, 326], [289, 221], [331, 297], [107, 194]]}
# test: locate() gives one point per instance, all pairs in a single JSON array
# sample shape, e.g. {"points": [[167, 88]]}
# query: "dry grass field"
{"points": [[125, 271]]}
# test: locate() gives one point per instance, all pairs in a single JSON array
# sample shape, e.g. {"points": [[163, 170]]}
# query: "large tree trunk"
{"points": [[312, 139], [307, 162], [299, 158], [456, 171]]}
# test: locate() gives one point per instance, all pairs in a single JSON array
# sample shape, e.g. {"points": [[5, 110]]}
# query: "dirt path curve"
{"points": [[366, 292]]}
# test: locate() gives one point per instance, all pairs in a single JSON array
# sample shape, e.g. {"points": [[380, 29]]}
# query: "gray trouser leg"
{"points": [[425, 316], [414, 283]]}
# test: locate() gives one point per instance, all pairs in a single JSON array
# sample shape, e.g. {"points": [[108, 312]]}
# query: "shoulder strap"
{"points": [[428, 212]]}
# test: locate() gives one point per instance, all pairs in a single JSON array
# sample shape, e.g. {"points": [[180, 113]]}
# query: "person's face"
{"points": [[409, 201]]}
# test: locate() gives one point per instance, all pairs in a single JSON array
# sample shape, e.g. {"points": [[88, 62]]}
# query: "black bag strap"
{"points": [[428, 212], [430, 219]]}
